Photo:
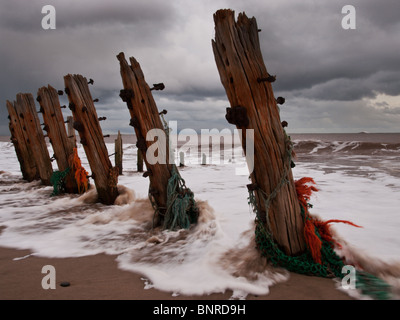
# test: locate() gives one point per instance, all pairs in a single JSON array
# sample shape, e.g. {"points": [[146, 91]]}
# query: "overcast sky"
{"points": [[334, 80]]}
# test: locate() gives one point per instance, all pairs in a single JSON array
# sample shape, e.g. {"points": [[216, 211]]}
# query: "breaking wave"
{"points": [[345, 147]]}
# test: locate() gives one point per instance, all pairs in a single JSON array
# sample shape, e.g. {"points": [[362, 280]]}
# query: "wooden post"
{"points": [[145, 117], [71, 131], [139, 161], [181, 159], [19, 138], [203, 159], [55, 127], [25, 107], [87, 124], [118, 152], [253, 106]]}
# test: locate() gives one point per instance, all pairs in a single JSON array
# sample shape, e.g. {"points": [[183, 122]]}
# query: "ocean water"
{"points": [[358, 177]]}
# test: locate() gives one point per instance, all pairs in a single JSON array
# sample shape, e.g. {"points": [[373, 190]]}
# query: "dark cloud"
{"points": [[27, 15], [308, 47], [321, 69], [351, 89]]}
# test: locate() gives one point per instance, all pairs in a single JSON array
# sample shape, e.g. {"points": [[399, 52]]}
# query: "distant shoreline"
{"points": [[389, 137]]}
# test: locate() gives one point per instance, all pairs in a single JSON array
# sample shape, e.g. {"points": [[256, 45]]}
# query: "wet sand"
{"points": [[99, 278]]}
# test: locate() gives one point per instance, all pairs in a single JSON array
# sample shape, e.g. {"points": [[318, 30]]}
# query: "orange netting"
{"points": [[81, 175], [315, 230]]}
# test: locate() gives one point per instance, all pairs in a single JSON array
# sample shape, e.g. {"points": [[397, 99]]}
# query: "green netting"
{"points": [[181, 206], [331, 264], [58, 181], [373, 286], [181, 209]]}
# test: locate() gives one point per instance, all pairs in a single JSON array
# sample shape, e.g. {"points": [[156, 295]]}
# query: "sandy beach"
{"points": [[97, 277], [87, 238]]}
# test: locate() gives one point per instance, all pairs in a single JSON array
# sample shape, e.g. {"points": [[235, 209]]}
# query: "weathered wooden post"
{"points": [[139, 161], [26, 109], [19, 138], [71, 131], [118, 153], [203, 159], [174, 206], [55, 127], [86, 122], [253, 106], [181, 159]]}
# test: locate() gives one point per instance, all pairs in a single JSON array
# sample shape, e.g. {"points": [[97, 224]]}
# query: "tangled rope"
{"points": [[181, 209], [81, 175], [320, 258], [58, 181], [181, 206], [315, 231]]}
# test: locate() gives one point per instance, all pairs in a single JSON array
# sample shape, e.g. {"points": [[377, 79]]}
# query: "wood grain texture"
{"points": [[240, 64], [119, 152], [71, 131], [145, 117], [87, 124], [19, 138], [26, 109], [57, 133]]}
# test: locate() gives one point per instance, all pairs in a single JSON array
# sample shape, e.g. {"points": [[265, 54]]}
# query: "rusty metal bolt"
{"points": [[126, 94], [280, 100], [237, 115], [267, 79], [252, 187], [148, 173], [158, 86], [134, 122], [141, 144], [78, 126]]}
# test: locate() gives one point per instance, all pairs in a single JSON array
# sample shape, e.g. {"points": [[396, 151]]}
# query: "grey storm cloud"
{"points": [[24, 15], [320, 67]]}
